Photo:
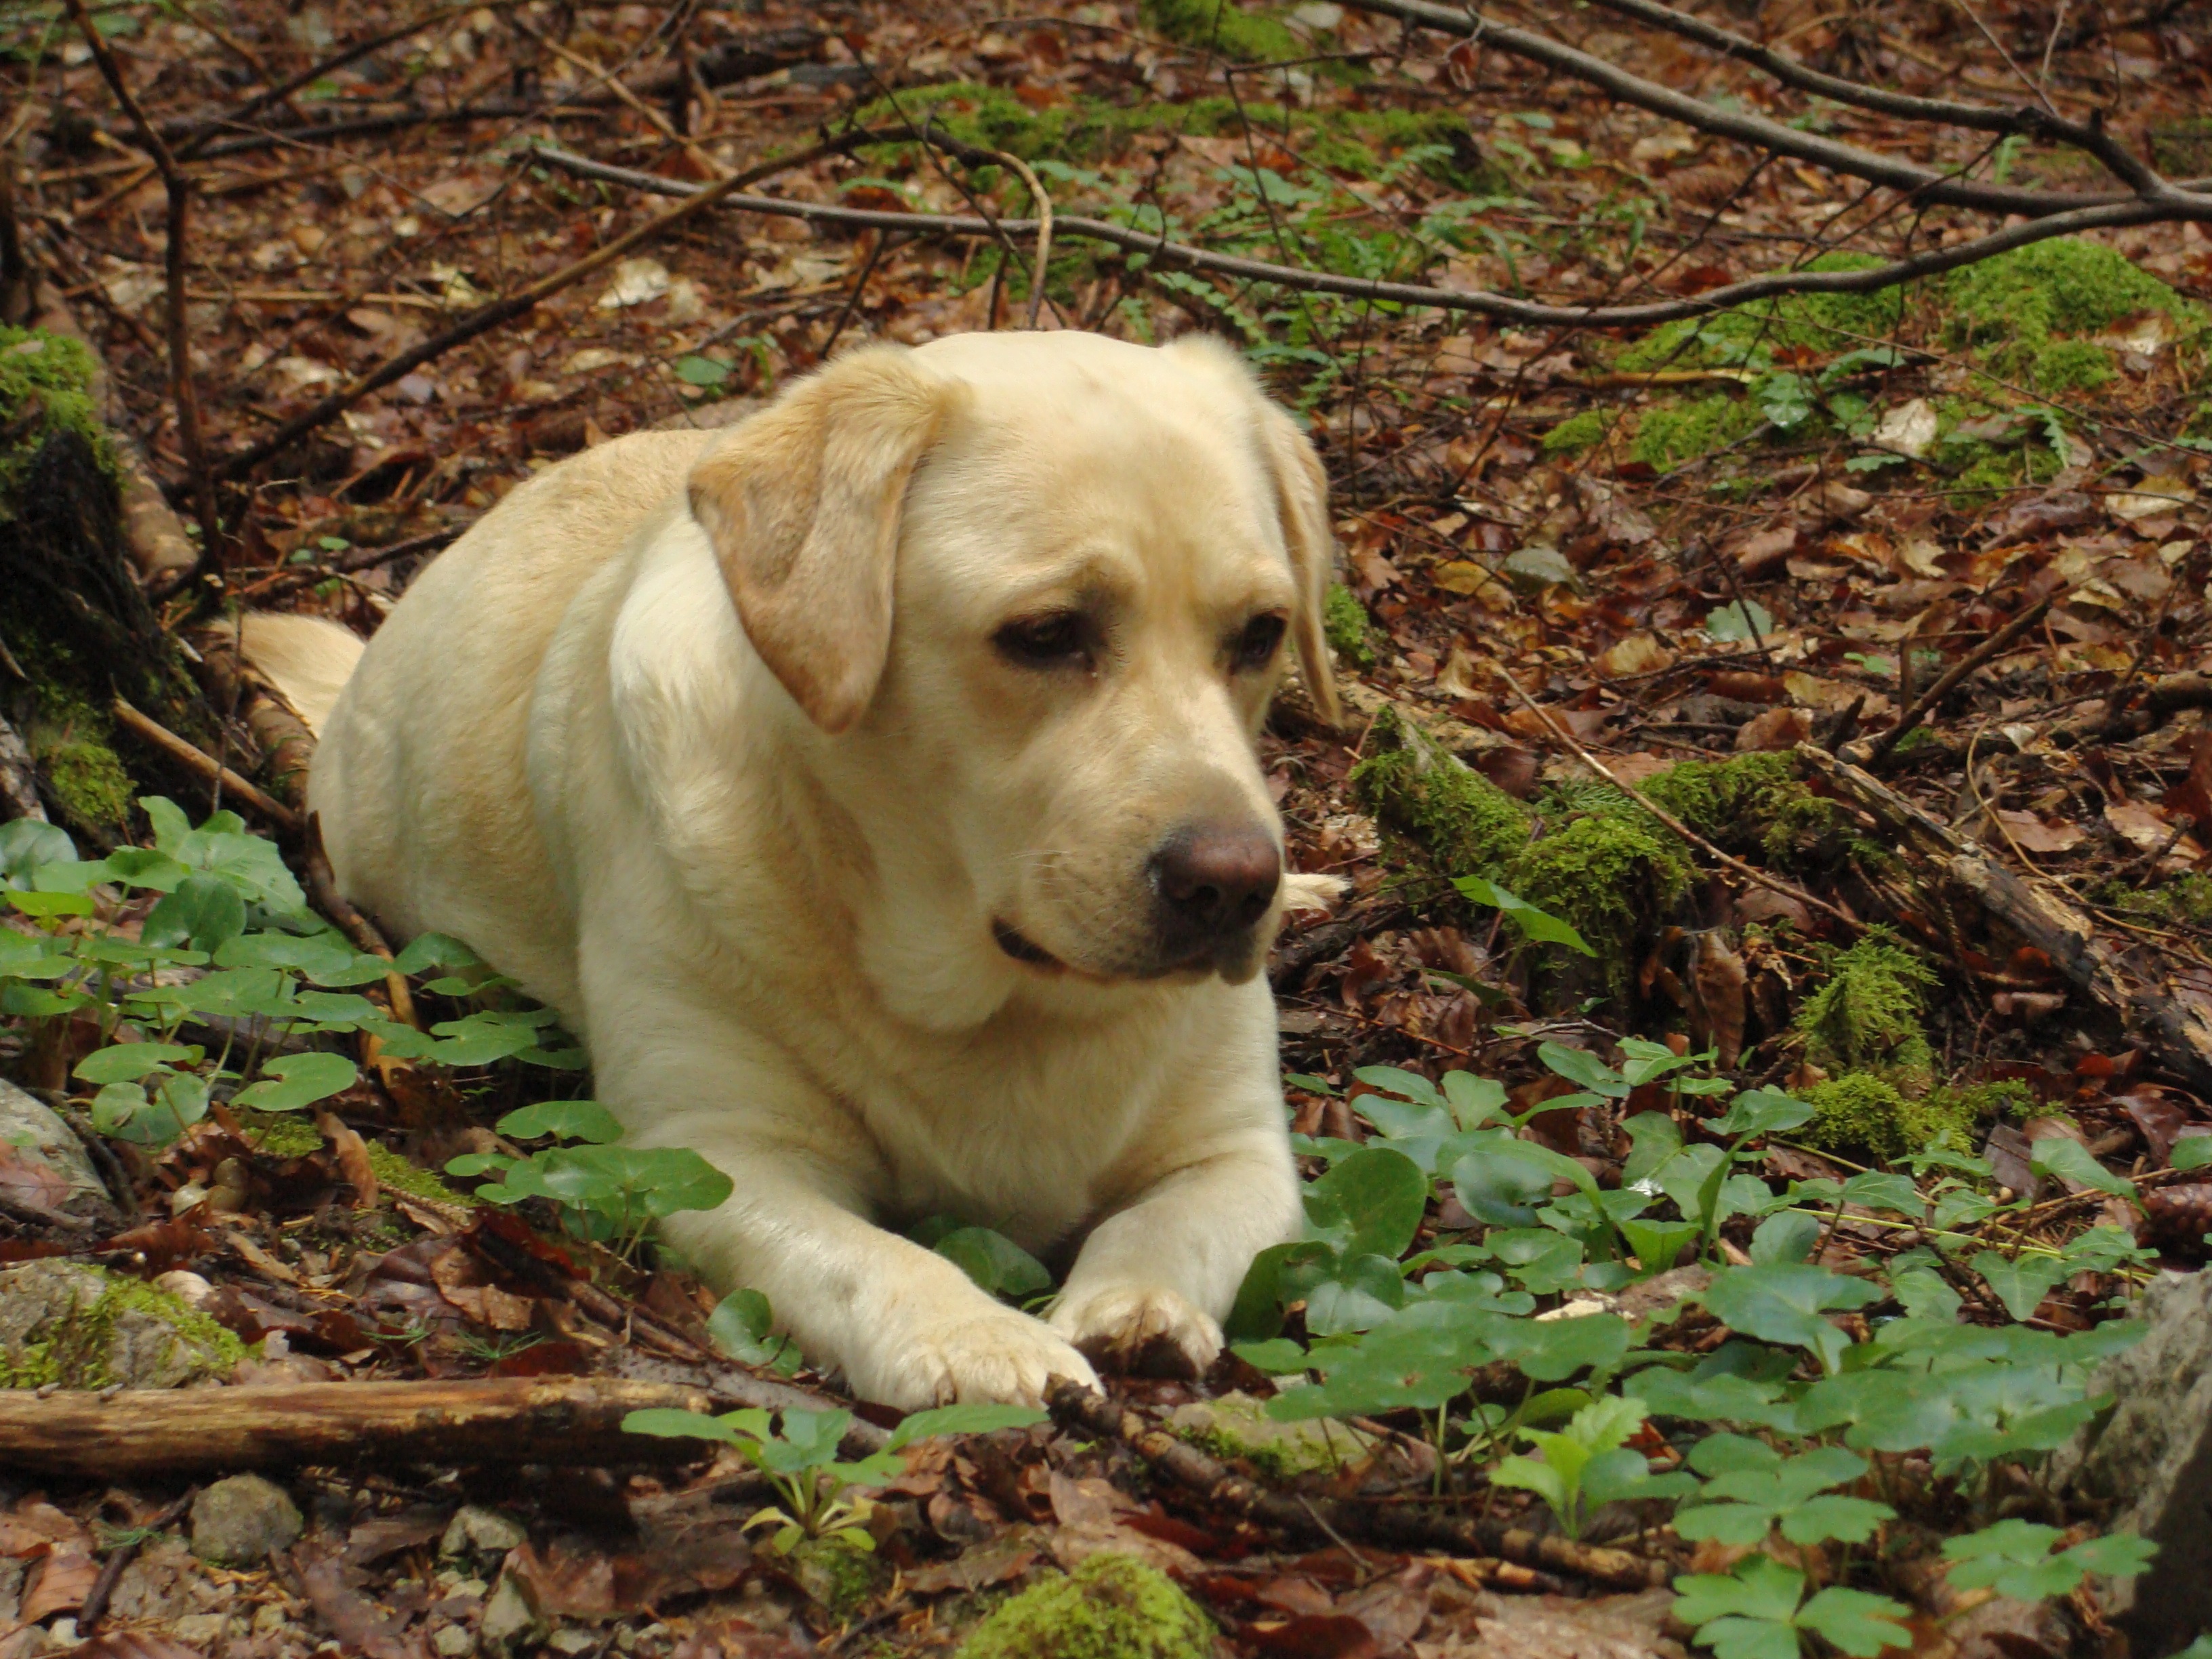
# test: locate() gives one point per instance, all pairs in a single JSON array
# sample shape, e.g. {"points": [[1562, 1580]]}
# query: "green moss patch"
{"points": [[1867, 1017], [1345, 621], [2025, 311], [1613, 873], [2183, 903], [1237, 1427], [46, 386], [1110, 1607], [1863, 1114], [1747, 337], [1223, 26], [1578, 432], [1456, 819], [1673, 433], [1755, 804]]}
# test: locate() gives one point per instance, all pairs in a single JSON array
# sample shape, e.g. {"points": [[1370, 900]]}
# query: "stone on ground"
{"points": [[80, 1326], [44, 1164], [2152, 1460], [243, 1521]]}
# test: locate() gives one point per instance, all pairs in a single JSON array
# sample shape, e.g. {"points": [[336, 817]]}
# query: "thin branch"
{"points": [[1879, 746], [1043, 203], [204, 765], [179, 191], [2170, 206], [1925, 183], [2045, 123]]}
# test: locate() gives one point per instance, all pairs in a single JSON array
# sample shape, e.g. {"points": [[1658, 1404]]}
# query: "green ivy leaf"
{"points": [[2070, 1160], [2021, 1283], [1539, 927], [995, 1262], [125, 1062], [1779, 1302], [968, 1418], [564, 1120], [302, 1079]]}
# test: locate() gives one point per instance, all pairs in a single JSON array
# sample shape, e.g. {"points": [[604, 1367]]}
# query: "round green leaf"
{"points": [[300, 1080]]}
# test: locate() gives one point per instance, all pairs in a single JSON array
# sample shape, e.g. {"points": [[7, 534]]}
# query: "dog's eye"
{"points": [[1254, 647], [1053, 641]]}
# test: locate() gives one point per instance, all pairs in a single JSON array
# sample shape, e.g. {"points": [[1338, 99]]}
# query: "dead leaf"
{"points": [[2160, 493], [1312, 1636], [1009, 1555], [1631, 654], [2032, 834], [1456, 677], [1755, 554], [58, 1583], [1764, 904], [1775, 729], [133, 1645], [1717, 986], [353, 1158], [1909, 428]]}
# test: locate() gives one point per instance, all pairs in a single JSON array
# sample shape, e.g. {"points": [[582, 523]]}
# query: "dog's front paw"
{"points": [[1140, 1327], [998, 1355]]}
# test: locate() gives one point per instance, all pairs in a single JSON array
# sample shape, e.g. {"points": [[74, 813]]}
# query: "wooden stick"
{"points": [[1401, 1526], [2180, 1032], [191, 757], [1871, 753], [144, 1431]]}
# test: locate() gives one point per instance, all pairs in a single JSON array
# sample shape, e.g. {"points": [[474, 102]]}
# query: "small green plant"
{"points": [[822, 1497], [1589, 1463], [608, 1194], [1761, 1611]]}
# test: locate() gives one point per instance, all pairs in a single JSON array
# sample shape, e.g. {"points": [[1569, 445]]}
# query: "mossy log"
{"points": [[76, 626]]}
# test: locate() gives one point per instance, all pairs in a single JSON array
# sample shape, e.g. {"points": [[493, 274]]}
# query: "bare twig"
{"points": [[190, 756], [1176, 255], [178, 189], [1043, 203], [346, 564], [1871, 752], [95, 1602], [1925, 183]]}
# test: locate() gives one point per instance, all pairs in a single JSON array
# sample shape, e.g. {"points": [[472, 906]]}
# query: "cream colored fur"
{"points": [[307, 658], [704, 737]]}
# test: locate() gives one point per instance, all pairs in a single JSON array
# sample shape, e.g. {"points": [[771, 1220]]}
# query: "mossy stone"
{"points": [[1110, 1607], [243, 1521], [838, 1578], [1613, 873], [1457, 820], [2024, 308], [81, 1326], [1755, 804]]}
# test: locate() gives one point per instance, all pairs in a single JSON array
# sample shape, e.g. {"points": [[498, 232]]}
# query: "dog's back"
{"points": [[420, 777]]}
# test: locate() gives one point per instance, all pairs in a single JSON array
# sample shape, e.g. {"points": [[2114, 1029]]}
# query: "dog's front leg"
{"points": [[906, 1325], [1163, 1271]]}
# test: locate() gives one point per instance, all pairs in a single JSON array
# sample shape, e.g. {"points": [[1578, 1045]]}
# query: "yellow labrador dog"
{"points": [[873, 786]]}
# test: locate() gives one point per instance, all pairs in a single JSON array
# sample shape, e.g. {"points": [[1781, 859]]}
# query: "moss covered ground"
{"points": [[1110, 1607]]}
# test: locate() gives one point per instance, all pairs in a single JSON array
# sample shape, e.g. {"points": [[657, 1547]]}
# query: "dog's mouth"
{"points": [[1023, 950]]}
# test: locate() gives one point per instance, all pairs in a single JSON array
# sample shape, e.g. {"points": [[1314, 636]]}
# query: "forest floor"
{"points": [[1690, 943]]}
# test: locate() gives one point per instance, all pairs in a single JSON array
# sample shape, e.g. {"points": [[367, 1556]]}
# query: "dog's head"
{"points": [[1033, 592]]}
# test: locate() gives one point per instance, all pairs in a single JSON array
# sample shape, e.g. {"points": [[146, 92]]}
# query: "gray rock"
{"points": [[510, 1618], [2151, 1460], [45, 1150], [477, 1530], [83, 1327], [243, 1521]]}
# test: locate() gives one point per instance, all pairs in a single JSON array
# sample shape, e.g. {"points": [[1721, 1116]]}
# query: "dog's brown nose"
{"points": [[1214, 879]]}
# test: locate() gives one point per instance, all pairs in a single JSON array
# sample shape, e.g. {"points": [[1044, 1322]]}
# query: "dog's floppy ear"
{"points": [[1301, 488], [1302, 497], [802, 505]]}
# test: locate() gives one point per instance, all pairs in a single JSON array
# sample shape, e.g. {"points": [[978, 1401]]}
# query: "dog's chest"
{"points": [[1032, 1144]]}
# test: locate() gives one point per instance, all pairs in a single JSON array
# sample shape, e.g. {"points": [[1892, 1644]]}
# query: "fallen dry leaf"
{"points": [[1777, 728], [2032, 834]]}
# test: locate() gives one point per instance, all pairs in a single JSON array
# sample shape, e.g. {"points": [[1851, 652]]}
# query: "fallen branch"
{"points": [[142, 1431], [1402, 1527], [1925, 185], [1871, 752], [193, 759], [346, 564], [2179, 1032], [1158, 250]]}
